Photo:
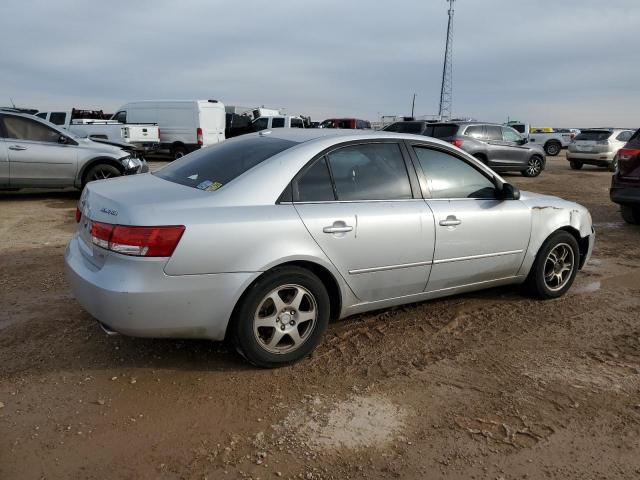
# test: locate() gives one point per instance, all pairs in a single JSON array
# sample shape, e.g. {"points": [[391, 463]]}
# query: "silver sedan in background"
{"points": [[264, 238]]}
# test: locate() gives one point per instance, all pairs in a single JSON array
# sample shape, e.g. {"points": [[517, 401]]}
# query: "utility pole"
{"points": [[446, 91], [413, 105]]}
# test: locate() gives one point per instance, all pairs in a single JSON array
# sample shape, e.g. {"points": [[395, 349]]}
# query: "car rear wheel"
{"points": [[281, 317], [555, 267], [613, 165], [178, 151], [100, 172], [552, 148], [630, 214], [534, 167], [575, 165]]}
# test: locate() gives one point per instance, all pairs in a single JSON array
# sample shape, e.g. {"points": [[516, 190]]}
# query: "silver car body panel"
{"points": [[396, 251]]}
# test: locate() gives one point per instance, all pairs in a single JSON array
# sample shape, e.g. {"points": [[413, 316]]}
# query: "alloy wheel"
{"points": [[285, 318], [534, 167], [101, 174], [558, 267]]}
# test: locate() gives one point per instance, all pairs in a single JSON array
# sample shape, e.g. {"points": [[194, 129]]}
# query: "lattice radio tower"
{"points": [[446, 92]]}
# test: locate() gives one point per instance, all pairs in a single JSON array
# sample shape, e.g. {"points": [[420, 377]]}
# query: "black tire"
{"points": [[251, 342], [480, 157], [535, 165], [575, 165], [630, 214], [613, 165], [178, 151], [537, 283], [100, 171], [552, 148]]}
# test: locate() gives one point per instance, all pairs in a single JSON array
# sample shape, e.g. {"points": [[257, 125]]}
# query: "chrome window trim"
{"points": [[475, 257], [388, 267]]}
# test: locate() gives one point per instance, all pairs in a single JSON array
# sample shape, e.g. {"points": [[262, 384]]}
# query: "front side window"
{"points": [[374, 171], [297, 123], [121, 117], [493, 132], [475, 131], [510, 135], [450, 177], [42, 115], [20, 128], [260, 124], [314, 185], [213, 167], [277, 123], [58, 118], [444, 130]]}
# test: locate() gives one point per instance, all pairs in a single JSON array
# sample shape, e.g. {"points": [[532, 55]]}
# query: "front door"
{"points": [[4, 164], [517, 152], [36, 157], [498, 152], [367, 221], [479, 237]]}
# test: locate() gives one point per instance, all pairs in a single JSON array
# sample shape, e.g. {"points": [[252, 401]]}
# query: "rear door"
{"points": [[370, 221], [479, 237], [36, 158], [212, 122]]}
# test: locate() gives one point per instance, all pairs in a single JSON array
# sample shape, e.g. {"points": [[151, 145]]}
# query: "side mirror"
{"points": [[523, 140], [63, 140], [510, 192]]}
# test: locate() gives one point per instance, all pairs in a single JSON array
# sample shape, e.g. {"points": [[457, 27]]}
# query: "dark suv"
{"points": [[498, 146], [625, 184]]}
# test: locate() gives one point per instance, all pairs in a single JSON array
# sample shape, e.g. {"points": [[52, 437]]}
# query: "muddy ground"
{"points": [[490, 385]]}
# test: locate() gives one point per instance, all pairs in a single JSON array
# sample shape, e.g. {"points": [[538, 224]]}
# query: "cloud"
{"points": [[551, 63]]}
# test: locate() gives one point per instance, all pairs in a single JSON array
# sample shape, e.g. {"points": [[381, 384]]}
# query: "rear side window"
{"points": [[442, 130], [58, 118], [314, 185], [450, 177], [594, 135], [408, 127], [475, 131], [20, 128], [42, 115], [635, 139], [213, 167], [493, 132], [624, 136], [277, 123], [374, 171], [297, 123]]}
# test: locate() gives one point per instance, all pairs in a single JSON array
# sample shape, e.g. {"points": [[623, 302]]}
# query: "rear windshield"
{"points": [[213, 167], [405, 127], [441, 131], [596, 135]]}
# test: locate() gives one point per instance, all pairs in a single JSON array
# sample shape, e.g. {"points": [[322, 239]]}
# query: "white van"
{"points": [[277, 121], [185, 125]]}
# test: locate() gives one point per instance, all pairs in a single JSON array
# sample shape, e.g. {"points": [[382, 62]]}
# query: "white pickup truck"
{"points": [[552, 140], [96, 125]]}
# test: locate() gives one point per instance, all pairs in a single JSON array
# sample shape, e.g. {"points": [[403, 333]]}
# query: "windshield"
{"points": [[213, 167]]}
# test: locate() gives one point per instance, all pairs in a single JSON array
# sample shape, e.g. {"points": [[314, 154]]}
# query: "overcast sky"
{"points": [[550, 62]]}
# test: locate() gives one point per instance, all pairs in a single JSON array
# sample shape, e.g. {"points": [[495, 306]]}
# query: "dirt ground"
{"points": [[490, 385]]}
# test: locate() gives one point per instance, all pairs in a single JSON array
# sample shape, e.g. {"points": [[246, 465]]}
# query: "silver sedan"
{"points": [[265, 238]]}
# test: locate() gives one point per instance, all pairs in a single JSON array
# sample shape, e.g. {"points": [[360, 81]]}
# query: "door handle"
{"points": [[450, 221], [17, 147], [338, 227]]}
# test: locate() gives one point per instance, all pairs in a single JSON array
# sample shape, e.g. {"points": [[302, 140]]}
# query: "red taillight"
{"points": [[78, 214], [628, 153], [137, 241], [458, 143], [199, 135], [158, 133]]}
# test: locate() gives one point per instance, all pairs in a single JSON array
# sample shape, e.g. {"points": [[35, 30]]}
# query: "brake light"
{"points": [[458, 143], [78, 214], [199, 135], [137, 241], [628, 153]]}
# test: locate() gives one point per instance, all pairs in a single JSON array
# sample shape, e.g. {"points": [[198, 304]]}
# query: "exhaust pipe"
{"points": [[107, 330]]}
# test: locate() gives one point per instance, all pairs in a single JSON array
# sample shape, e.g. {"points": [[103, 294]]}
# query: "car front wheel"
{"points": [[101, 172], [555, 267], [534, 167], [281, 317]]}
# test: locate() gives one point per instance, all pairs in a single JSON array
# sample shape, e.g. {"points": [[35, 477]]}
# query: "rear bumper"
{"points": [[604, 158], [625, 195], [134, 296]]}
